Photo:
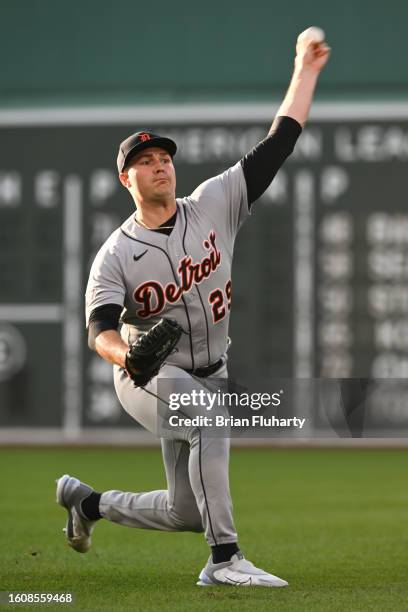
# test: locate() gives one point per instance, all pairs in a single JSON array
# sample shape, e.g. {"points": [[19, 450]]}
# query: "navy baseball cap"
{"points": [[139, 141]]}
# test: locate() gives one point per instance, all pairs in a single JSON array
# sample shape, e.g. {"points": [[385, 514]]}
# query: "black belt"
{"points": [[206, 370]]}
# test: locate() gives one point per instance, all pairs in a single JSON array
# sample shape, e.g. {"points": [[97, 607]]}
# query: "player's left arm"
{"points": [[262, 163]]}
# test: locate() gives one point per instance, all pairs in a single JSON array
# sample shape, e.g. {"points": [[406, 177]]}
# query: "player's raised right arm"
{"points": [[311, 57], [261, 164]]}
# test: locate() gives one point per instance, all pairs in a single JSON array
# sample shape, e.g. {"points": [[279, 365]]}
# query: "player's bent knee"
{"points": [[188, 518], [191, 524]]}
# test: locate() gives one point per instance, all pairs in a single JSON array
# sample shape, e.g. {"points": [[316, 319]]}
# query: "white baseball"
{"points": [[313, 33]]}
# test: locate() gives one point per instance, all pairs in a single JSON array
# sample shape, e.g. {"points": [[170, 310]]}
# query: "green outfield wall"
{"points": [[102, 52]]}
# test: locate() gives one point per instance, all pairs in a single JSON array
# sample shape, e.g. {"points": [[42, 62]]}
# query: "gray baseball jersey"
{"points": [[185, 276]]}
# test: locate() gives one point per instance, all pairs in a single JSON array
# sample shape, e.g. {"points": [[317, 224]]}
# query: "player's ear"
{"points": [[124, 179]]}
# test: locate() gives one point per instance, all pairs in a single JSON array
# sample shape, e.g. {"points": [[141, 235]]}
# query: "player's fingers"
{"points": [[313, 49], [316, 46], [324, 47], [321, 49], [320, 52], [324, 53]]}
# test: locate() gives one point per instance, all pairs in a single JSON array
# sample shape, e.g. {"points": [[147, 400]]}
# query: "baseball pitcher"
{"points": [[158, 303]]}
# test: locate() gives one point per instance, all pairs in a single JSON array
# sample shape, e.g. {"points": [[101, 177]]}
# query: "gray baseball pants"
{"points": [[197, 496]]}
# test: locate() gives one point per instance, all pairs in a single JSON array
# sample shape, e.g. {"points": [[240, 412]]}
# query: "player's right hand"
{"points": [[311, 55]]}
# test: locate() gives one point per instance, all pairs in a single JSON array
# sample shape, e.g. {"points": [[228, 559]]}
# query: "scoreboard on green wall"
{"points": [[320, 272]]}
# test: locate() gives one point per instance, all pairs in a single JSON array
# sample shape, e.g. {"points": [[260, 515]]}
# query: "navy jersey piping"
{"points": [[198, 291]]}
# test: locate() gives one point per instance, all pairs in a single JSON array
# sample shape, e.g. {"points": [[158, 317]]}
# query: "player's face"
{"points": [[151, 176]]}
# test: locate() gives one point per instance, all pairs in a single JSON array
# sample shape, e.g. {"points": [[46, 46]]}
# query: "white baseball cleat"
{"points": [[70, 493], [237, 572]]}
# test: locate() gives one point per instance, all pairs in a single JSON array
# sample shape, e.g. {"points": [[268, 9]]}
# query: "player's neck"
{"points": [[154, 216]]}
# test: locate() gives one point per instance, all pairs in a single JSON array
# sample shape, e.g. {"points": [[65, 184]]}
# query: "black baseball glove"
{"points": [[146, 355]]}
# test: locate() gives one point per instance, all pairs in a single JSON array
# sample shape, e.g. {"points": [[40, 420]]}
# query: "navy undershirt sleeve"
{"points": [[262, 162], [101, 319]]}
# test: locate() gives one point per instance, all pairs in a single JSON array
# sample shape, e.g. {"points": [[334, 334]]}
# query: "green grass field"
{"points": [[334, 523]]}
